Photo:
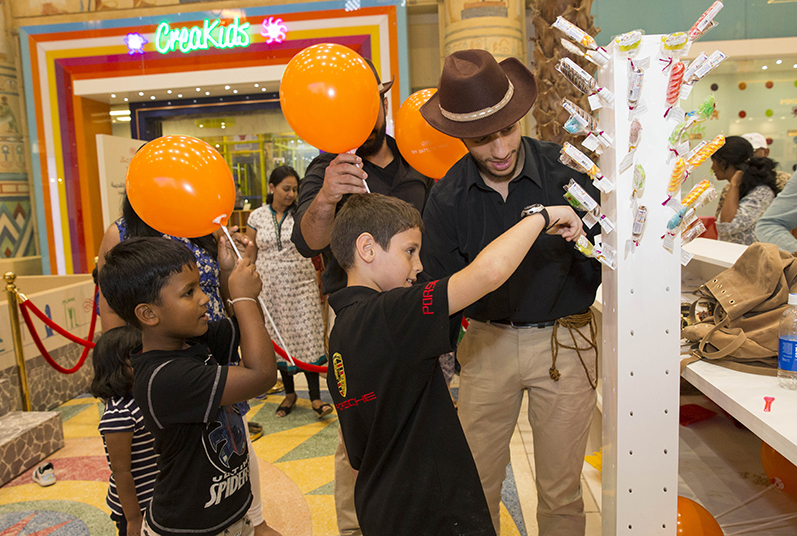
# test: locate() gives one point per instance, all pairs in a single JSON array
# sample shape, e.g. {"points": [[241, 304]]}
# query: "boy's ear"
{"points": [[146, 315], [366, 247]]}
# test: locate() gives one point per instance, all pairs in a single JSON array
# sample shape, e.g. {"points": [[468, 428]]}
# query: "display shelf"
{"points": [[742, 395], [714, 252]]}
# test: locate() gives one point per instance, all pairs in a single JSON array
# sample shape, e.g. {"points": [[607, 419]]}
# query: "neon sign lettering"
{"points": [[210, 34]]}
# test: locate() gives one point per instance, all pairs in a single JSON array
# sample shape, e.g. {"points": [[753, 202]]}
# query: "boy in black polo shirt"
{"points": [[186, 394], [416, 475]]}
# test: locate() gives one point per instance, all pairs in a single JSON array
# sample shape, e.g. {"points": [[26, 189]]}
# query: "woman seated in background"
{"points": [[753, 186], [290, 289]]}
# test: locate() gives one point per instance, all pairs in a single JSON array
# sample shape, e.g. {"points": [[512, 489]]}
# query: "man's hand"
{"points": [[344, 175], [564, 222]]}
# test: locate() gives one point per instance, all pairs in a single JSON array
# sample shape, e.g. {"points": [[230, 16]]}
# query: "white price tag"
{"points": [[683, 148], [628, 161], [643, 63], [668, 242], [641, 109], [604, 185], [595, 102], [674, 203], [677, 113], [591, 142], [606, 224], [685, 91], [590, 220], [685, 257]]}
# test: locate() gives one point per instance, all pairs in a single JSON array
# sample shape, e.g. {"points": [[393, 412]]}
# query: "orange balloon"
{"points": [[330, 98], [425, 148], [180, 186], [694, 520], [777, 466]]}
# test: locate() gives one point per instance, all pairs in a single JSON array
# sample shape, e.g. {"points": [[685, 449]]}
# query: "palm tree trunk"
{"points": [[552, 87]]}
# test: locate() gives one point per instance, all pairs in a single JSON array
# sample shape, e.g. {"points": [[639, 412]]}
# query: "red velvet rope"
{"points": [[299, 364], [88, 344]]}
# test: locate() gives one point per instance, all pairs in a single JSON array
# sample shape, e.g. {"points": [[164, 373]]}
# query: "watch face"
{"points": [[532, 209]]}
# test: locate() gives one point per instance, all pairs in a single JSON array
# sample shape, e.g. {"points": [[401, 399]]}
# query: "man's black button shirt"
{"points": [[463, 215]]}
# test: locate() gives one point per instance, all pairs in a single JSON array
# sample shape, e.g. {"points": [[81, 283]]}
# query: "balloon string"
{"points": [[367, 189], [757, 528], [782, 517], [262, 303], [749, 500]]}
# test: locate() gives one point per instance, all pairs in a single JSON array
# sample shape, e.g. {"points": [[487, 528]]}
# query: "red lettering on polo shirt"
{"points": [[428, 298], [353, 402]]}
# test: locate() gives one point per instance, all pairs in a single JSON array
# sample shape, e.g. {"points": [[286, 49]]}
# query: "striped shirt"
{"points": [[123, 415]]}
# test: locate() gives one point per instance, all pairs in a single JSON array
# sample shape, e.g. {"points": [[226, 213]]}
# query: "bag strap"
{"points": [[734, 345]]}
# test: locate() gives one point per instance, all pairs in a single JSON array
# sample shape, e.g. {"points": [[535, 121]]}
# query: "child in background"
{"points": [[416, 475], [186, 393], [128, 445]]}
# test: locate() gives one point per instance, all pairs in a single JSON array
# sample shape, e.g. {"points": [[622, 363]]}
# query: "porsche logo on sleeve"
{"points": [[340, 374]]}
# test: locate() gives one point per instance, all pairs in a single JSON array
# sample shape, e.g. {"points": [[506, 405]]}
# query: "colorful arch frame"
{"points": [[55, 56]]}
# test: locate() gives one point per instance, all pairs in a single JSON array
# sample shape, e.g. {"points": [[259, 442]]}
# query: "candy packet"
{"points": [[585, 83]]}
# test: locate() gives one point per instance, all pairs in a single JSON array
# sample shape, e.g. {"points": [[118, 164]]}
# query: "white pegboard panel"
{"points": [[641, 329]]}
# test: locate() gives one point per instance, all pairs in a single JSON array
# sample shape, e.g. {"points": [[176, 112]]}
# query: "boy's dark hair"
{"points": [[137, 269], [111, 361], [380, 215]]}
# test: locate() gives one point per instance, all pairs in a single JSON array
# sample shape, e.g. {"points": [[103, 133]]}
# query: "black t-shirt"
{"points": [[203, 484], [463, 215], [398, 179], [416, 473]]}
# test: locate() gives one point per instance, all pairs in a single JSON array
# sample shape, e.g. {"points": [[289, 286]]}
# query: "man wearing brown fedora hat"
{"points": [[328, 182], [511, 344]]}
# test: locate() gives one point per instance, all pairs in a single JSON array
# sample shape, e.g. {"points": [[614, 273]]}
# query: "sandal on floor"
{"points": [[323, 409], [286, 410]]}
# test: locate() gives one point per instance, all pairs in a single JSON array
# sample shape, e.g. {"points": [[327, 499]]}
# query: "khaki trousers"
{"points": [[499, 363], [348, 524]]}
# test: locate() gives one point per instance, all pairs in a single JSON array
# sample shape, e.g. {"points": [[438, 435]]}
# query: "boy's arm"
{"points": [[496, 262], [119, 446], [258, 372]]}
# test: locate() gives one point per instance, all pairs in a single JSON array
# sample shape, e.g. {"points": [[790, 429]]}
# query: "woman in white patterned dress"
{"points": [[290, 290]]}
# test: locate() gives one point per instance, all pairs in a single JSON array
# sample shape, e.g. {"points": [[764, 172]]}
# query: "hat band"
{"points": [[484, 112]]}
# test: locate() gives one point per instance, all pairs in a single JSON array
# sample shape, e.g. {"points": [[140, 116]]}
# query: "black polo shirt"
{"points": [[416, 473], [463, 215], [407, 185]]}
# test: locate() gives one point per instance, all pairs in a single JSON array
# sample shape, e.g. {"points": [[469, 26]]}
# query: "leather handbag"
{"points": [[749, 299]]}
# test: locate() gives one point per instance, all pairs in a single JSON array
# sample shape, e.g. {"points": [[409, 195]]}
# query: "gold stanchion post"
{"points": [[16, 335]]}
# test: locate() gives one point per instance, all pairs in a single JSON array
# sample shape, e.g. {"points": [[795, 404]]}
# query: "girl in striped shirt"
{"points": [[128, 445]]}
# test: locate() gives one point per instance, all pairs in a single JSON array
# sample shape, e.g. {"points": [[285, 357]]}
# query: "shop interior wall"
{"points": [[96, 119]]}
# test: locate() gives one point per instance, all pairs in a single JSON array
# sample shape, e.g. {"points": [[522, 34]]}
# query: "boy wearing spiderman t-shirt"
{"points": [[416, 475], [186, 393]]}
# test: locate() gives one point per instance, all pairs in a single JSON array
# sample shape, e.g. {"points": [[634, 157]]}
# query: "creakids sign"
{"points": [[210, 34]]}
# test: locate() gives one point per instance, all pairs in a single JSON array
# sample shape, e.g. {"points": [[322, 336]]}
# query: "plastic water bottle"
{"points": [[787, 349]]}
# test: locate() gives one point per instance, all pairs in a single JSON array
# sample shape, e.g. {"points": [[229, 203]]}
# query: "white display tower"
{"points": [[641, 330]]}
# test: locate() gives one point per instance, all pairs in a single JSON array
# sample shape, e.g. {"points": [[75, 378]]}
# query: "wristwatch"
{"points": [[537, 209]]}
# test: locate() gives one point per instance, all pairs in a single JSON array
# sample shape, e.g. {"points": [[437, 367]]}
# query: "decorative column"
{"points": [[17, 233], [497, 26]]}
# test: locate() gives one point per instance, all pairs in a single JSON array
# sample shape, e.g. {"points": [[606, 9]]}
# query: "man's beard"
{"points": [[370, 148]]}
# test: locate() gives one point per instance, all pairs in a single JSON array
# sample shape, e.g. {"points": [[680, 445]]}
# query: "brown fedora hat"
{"points": [[383, 88], [478, 96]]}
